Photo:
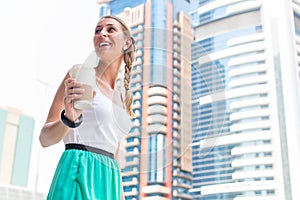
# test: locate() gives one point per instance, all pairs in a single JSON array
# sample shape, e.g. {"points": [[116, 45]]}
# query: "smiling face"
{"points": [[109, 39]]}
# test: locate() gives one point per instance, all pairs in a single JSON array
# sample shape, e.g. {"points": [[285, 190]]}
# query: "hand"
{"points": [[73, 91]]}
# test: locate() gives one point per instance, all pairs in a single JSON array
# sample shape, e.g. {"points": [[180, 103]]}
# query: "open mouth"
{"points": [[104, 44]]}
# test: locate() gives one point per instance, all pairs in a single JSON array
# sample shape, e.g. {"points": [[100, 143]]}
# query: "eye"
{"points": [[111, 29], [97, 31]]}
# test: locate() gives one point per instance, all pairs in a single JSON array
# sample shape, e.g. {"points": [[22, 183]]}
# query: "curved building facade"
{"points": [[158, 156], [242, 127]]}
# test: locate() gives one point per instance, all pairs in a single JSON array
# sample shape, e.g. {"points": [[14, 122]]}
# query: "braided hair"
{"points": [[129, 56]]}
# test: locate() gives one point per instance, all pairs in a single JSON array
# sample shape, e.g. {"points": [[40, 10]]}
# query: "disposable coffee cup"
{"points": [[87, 77]]}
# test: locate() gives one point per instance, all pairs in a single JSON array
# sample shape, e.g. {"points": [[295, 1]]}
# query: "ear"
{"points": [[127, 44]]}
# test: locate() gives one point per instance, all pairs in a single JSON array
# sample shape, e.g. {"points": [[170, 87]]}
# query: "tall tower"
{"points": [[246, 108], [158, 154], [16, 132], [104, 8]]}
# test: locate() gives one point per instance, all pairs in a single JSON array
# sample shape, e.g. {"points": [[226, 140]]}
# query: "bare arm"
{"points": [[54, 129]]}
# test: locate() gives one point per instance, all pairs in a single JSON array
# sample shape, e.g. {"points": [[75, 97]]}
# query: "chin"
{"points": [[100, 53]]}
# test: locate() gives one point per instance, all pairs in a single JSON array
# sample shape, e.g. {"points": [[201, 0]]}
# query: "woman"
{"points": [[88, 168]]}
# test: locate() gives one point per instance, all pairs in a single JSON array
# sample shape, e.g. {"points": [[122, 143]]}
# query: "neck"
{"points": [[108, 73]]}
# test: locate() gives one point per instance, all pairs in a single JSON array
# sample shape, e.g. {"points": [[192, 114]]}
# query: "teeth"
{"points": [[103, 44]]}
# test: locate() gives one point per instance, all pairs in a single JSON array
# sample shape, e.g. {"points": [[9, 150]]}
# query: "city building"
{"points": [[16, 134], [12, 192], [246, 102], [157, 151], [16, 131]]}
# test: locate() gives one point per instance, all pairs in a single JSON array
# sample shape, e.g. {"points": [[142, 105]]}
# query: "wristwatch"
{"points": [[70, 123]]}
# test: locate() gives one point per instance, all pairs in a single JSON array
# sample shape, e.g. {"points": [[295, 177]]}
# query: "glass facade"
{"points": [[231, 114], [157, 159], [155, 138], [159, 66], [118, 7]]}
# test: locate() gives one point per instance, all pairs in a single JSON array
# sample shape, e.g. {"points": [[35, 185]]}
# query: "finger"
{"points": [[68, 99], [75, 90], [71, 82], [68, 81], [73, 85], [73, 97], [68, 85]]}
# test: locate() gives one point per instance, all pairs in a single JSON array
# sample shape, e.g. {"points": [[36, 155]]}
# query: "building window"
{"points": [[157, 158]]}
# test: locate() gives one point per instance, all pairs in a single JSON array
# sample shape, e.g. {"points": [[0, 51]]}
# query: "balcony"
{"points": [[155, 198], [181, 175], [176, 144], [138, 61], [156, 119], [138, 54], [181, 196], [134, 192], [157, 100], [176, 134], [182, 185], [156, 128], [135, 152], [156, 189], [136, 79], [135, 142], [157, 109], [134, 172], [157, 90], [135, 162], [137, 96], [138, 69], [176, 116], [136, 105], [134, 181]]}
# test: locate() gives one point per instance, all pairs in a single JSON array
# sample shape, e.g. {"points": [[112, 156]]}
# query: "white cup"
{"points": [[87, 77]]}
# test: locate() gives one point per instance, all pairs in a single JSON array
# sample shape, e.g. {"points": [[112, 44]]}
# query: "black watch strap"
{"points": [[70, 123]]}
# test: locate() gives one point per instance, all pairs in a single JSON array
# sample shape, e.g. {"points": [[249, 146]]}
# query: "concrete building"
{"points": [[12, 192], [157, 150], [246, 111], [16, 134], [16, 131]]}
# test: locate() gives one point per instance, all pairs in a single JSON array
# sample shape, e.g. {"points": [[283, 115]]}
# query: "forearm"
{"points": [[52, 133]]}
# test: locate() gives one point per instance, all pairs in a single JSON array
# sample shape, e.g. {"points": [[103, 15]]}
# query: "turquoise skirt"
{"points": [[84, 175]]}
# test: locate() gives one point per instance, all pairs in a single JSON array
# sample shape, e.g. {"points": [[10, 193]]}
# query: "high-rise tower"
{"points": [[158, 155], [246, 109], [16, 132]]}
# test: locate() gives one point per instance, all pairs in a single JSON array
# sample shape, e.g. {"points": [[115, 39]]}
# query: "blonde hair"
{"points": [[128, 60]]}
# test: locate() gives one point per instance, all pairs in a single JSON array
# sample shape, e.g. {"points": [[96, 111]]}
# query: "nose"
{"points": [[103, 33]]}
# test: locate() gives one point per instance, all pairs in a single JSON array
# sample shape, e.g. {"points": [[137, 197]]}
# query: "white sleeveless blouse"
{"points": [[103, 126]]}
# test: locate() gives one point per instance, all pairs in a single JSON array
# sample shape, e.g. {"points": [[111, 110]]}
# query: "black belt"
{"points": [[89, 148]]}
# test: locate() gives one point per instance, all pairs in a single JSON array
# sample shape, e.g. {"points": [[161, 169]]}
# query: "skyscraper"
{"points": [[158, 156], [16, 131], [245, 77], [16, 134]]}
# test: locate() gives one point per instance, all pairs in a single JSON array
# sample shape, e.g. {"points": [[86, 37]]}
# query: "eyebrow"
{"points": [[109, 24]]}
